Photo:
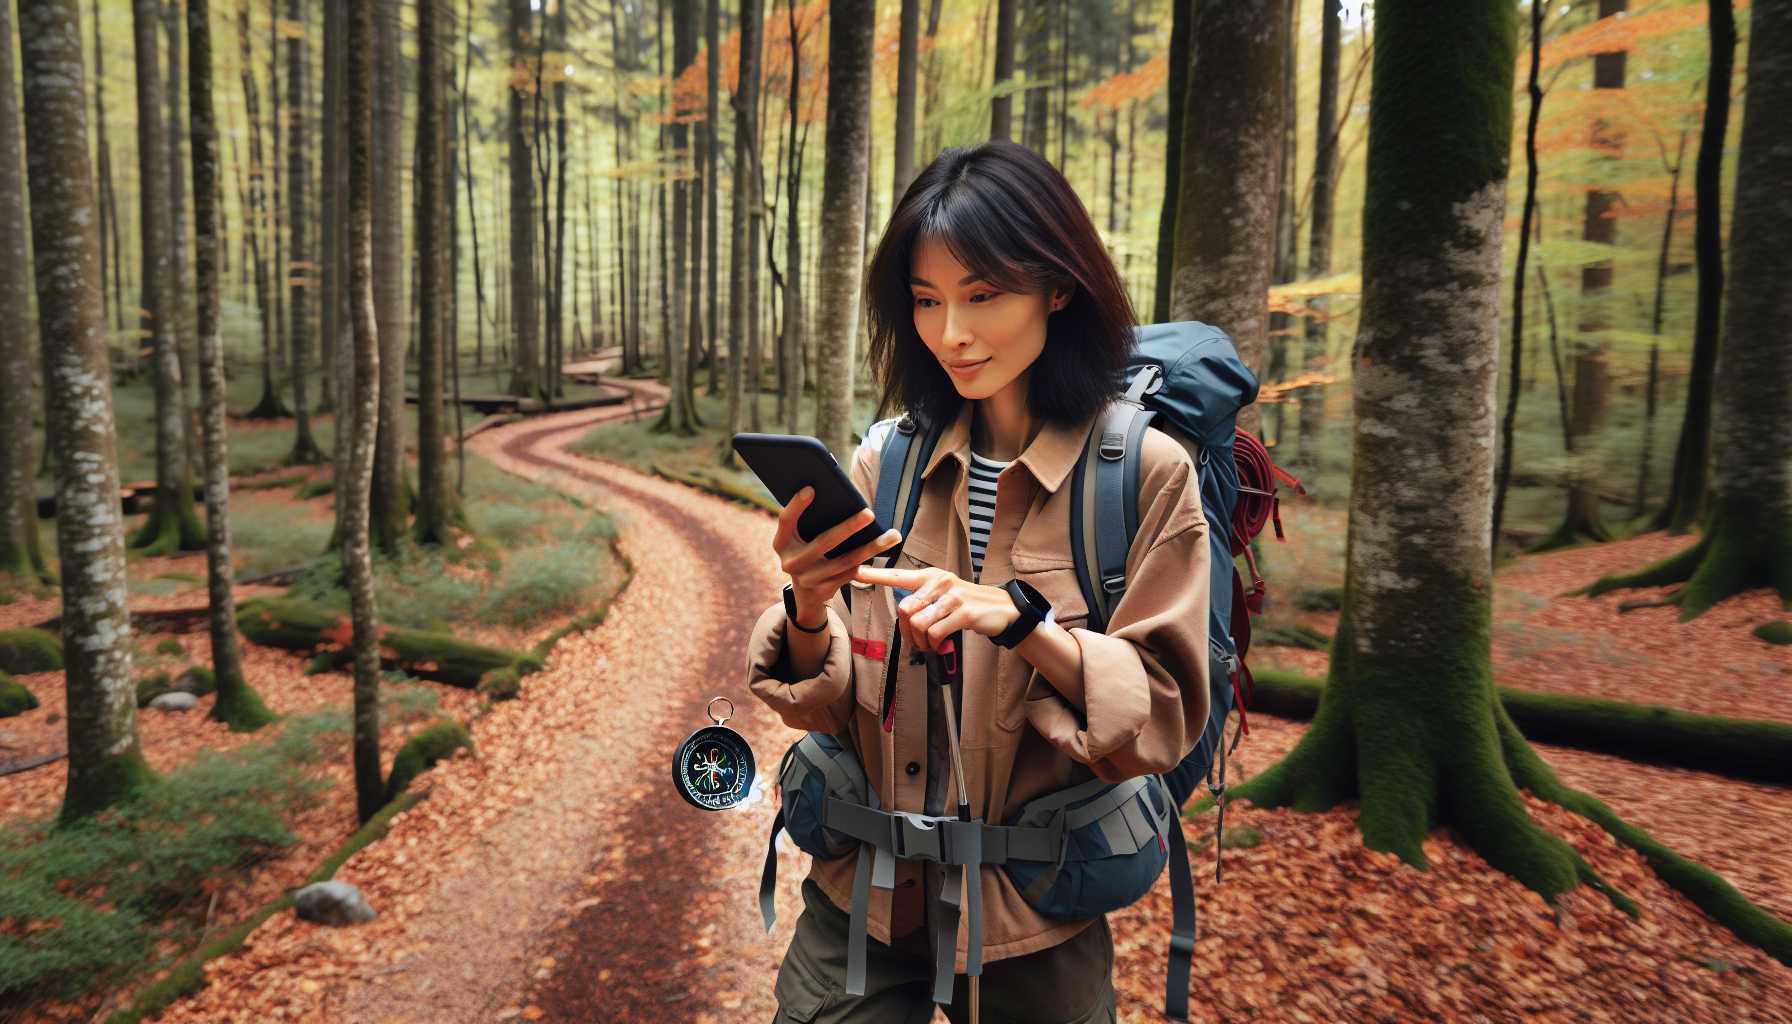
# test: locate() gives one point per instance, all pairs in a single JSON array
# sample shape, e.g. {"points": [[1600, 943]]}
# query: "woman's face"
{"points": [[984, 338]]}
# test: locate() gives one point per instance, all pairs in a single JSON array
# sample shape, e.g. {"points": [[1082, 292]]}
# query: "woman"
{"points": [[995, 312]]}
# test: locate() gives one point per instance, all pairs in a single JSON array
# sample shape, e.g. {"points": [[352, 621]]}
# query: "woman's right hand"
{"points": [[814, 577]]}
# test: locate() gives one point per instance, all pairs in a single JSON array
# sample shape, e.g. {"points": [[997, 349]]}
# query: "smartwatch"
{"points": [[1034, 609], [790, 612]]}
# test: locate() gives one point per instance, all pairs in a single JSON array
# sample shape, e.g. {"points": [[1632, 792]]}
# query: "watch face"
{"points": [[713, 769]]}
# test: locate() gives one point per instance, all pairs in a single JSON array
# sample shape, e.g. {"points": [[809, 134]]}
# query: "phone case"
{"points": [[786, 463]]}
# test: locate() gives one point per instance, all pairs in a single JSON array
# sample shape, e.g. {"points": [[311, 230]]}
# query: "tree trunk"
{"points": [[1001, 108], [255, 219], [298, 169], [850, 27], [1035, 33], [20, 555], [1231, 149], [1319, 241], [1686, 491], [1286, 258], [678, 417], [179, 276], [236, 704], [466, 117], [434, 239], [111, 269], [1409, 722], [930, 83], [391, 497], [525, 376], [556, 386], [712, 180], [743, 248], [104, 760], [173, 525], [1181, 53], [908, 48], [791, 338], [360, 418], [1646, 454], [1747, 540], [1582, 519]]}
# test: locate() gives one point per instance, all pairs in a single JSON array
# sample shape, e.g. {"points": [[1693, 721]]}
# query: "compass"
{"points": [[713, 768]]}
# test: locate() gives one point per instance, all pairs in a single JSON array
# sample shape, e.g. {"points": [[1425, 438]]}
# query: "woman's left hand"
{"points": [[942, 604]]}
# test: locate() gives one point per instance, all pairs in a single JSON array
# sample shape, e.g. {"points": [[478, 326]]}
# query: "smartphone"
{"points": [[786, 463]]}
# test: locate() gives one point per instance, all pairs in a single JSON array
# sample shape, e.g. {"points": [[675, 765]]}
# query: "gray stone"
{"points": [[333, 903], [175, 701]]}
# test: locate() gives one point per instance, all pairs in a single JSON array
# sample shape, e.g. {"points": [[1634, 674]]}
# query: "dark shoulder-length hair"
{"points": [[1009, 216]]}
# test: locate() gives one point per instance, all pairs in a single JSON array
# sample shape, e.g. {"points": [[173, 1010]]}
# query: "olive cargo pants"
{"points": [[1070, 983]]}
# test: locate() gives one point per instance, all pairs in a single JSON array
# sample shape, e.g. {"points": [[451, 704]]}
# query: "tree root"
{"points": [[1715, 896]]}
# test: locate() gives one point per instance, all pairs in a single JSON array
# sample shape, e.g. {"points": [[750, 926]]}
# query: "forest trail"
{"points": [[537, 897]]}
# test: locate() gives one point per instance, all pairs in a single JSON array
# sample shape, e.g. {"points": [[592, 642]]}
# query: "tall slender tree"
{"points": [[712, 33], [108, 206], [743, 247], [679, 416], [180, 276], [1686, 489], [791, 338], [255, 217], [298, 177], [1319, 239], [21, 557], [908, 48], [105, 762], [360, 418], [851, 24], [391, 500], [434, 234], [1001, 107], [235, 704], [173, 525], [525, 376], [1231, 149], [1181, 52]]}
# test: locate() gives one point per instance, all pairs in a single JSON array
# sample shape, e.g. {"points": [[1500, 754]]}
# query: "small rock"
{"points": [[196, 681], [176, 701], [333, 903]]}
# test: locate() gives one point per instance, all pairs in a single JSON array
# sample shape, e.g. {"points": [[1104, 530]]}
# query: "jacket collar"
{"points": [[1049, 457]]}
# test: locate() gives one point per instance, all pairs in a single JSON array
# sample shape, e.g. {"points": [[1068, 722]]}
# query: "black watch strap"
{"points": [[1033, 609], [790, 613]]}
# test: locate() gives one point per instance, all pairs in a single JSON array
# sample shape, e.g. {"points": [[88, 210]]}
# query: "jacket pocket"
{"points": [[1054, 576]]}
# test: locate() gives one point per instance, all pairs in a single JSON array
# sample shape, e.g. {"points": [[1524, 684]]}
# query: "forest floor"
{"points": [[553, 876]]}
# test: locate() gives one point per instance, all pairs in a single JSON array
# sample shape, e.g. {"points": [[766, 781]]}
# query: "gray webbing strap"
{"points": [[1182, 926], [1112, 539], [768, 877], [945, 932], [859, 924]]}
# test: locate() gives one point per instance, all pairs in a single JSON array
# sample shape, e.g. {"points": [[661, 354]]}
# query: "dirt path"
{"points": [[603, 889]]}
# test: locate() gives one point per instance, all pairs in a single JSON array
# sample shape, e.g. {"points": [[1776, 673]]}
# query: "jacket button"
{"points": [[914, 768]]}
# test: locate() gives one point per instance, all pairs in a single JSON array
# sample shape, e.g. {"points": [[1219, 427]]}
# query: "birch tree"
{"points": [[105, 762]]}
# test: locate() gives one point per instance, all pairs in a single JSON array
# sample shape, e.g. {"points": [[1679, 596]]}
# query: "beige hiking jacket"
{"points": [[1139, 707]]}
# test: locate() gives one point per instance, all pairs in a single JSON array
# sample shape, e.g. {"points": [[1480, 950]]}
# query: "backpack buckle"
{"points": [[915, 836], [1113, 445], [1114, 584], [906, 424]]}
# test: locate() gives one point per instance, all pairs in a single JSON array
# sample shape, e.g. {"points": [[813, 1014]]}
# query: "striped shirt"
{"points": [[982, 500]]}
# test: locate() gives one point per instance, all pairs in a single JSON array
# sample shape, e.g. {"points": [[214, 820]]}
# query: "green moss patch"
{"points": [[422, 751], [305, 627], [1775, 632], [1741, 748], [23, 651], [14, 698]]}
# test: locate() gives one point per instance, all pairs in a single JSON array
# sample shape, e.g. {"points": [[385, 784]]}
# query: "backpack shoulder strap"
{"points": [[905, 454], [1104, 500]]}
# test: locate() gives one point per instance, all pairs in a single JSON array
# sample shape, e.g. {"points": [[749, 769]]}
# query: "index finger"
{"points": [[909, 578]]}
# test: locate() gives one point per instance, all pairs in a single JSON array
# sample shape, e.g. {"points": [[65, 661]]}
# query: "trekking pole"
{"points": [[942, 669]]}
